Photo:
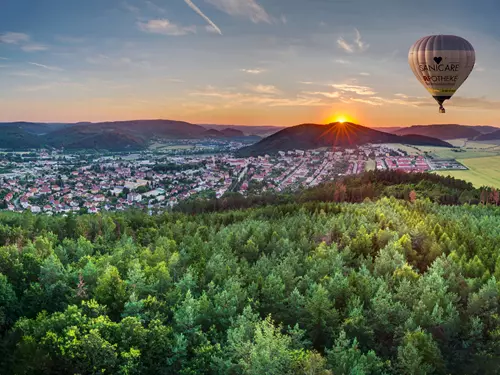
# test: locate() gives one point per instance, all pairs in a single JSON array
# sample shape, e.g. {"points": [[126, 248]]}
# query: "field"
{"points": [[371, 165], [482, 159], [484, 171], [161, 146]]}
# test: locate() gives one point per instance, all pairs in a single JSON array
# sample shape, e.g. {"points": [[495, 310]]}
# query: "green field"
{"points": [[160, 146], [484, 171], [371, 165]]}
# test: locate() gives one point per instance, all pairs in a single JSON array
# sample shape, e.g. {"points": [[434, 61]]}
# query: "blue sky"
{"points": [[279, 62]]}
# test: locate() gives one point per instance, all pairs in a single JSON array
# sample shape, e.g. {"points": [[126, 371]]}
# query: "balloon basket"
{"points": [[442, 110]]}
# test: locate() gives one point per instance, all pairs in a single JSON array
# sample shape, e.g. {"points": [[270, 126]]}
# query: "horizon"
{"points": [[244, 63], [241, 125]]}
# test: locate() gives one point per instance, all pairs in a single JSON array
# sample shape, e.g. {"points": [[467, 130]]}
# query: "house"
{"points": [[99, 198], [134, 197]]}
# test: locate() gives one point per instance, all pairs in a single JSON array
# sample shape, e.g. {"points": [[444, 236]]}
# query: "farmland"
{"points": [[483, 171]]}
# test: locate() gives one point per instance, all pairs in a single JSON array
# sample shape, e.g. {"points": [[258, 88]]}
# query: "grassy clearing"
{"points": [[484, 171]]}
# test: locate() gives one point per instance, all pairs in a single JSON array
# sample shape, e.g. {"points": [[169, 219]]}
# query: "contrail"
{"points": [[197, 10]]}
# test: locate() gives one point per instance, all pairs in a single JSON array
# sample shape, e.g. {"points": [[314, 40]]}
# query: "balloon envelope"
{"points": [[442, 63]]}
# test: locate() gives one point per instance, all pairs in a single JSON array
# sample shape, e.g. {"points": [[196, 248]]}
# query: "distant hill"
{"points": [[13, 137], [232, 133], [489, 137], [388, 129], [441, 131], [249, 130], [310, 136], [118, 135], [485, 129]]}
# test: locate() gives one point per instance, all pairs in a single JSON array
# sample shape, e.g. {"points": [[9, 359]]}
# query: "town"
{"points": [[59, 182]]}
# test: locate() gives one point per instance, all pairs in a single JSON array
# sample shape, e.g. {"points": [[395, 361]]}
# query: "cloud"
{"points": [[34, 47], [364, 74], [202, 15], [232, 98], [252, 71], [175, 80], [479, 103], [344, 45], [50, 86], [362, 46], [23, 40], [14, 38], [243, 8], [3, 58], [117, 61], [357, 45], [70, 39], [55, 68], [165, 27], [344, 62], [283, 19], [264, 89], [329, 95], [155, 7], [130, 8], [360, 90], [367, 101]]}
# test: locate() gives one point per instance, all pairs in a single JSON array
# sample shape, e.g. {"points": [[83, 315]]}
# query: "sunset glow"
{"points": [[141, 61]]}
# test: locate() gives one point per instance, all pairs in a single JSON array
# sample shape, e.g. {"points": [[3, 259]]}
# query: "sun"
{"points": [[341, 119]]}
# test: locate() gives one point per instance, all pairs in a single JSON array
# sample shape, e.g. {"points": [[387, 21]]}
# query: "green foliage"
{"points": [[316, 288]]}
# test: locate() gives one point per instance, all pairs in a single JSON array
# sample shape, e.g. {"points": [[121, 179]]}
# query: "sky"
{"points": [[245, 62]]}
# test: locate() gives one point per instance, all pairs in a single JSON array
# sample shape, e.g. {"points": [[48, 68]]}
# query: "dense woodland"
{"points": [[383, 286]]}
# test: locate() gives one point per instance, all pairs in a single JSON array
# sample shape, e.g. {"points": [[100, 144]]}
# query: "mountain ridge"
{"points": [[310, 136]]}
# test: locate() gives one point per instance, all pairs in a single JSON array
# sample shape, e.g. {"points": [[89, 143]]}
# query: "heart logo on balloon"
{"points": [[438, 60]]}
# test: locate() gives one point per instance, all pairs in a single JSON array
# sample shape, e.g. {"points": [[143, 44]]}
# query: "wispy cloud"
{"points": [[233, 98], [29, 74], [34, 47], [243, 8], [264, 89], [14, 38], [360, 90], [329, 95], [165, 27], [344, 45], [155, 7], [357, 45], [3, 58], [344, 62], [131, 8], [202, 15], [252, 71], [50, 86], [54, 68], [70, 39], [175, 80], [362, 46], [364, 74]]}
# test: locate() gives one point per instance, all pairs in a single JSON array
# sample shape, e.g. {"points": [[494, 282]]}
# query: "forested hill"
{"points": [[385, 286]]}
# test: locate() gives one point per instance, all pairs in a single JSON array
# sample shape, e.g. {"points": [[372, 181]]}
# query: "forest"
{"points": [[386, 279]]}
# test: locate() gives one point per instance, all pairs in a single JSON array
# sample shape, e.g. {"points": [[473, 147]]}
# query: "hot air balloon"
{"points": [[442, 63]]}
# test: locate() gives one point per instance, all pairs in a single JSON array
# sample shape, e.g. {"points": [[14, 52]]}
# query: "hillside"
{"points": [[442, 132], [14, 137], [310, 136], [262, 131], [489, 136], [119, 135], [320, 287]]}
